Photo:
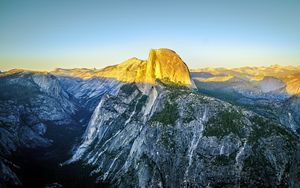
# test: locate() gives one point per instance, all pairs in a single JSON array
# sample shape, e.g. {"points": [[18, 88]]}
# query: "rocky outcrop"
{"points": [[166, 64]]}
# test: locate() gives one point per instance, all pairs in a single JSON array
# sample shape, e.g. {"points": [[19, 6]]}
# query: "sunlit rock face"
{"points": [[162, 64], [166, 64]]}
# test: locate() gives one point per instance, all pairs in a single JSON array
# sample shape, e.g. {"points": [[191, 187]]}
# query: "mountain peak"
{"points": [[163, 64]]}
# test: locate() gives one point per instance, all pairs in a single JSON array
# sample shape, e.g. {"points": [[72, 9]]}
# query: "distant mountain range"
{"points": [[150, 123], [287, 77]]}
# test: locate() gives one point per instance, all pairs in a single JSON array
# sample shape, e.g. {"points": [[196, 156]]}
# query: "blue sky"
{"points": [[43, 34]]}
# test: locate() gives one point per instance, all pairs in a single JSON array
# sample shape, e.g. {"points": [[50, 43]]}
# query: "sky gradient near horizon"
{"points": [[43, 35]]}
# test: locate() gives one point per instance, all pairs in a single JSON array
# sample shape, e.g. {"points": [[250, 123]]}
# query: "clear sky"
{"points": [[42, 35]]}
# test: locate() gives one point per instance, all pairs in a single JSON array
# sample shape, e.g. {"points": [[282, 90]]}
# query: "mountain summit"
{"points": [[166, 64], [162, 64]]}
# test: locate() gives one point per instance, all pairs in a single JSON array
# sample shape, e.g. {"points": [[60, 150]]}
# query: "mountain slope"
{"points": [[166, 136], [36, 114]]}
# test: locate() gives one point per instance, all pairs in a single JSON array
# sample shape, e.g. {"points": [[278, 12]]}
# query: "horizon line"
{"points": [[190, 69]]}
